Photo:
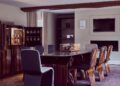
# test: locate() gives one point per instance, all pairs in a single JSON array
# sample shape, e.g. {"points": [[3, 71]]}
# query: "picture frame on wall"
{"points": [[16, 36], [82, 24]]}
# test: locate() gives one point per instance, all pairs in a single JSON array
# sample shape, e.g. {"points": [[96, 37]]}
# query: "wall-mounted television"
{"points": [[104, 25]]}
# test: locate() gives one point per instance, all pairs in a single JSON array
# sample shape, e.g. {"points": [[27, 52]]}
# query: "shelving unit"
{"points": [[33, 36], [12, 38]]}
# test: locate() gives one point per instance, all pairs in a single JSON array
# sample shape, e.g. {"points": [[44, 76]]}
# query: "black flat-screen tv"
{"points": [[104, 25]]}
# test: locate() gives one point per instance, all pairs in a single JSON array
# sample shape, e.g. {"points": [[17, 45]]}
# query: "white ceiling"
{"points": [[30, 3]]}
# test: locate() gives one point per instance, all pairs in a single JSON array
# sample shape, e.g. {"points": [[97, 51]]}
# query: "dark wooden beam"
{"points": [[73, 6]]}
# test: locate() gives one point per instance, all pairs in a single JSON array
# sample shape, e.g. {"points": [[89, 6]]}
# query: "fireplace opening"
{"points": [[101, 43]]}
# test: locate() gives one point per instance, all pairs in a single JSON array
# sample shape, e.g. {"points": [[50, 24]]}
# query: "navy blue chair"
{"points": [[34, 73], [40, 48]]}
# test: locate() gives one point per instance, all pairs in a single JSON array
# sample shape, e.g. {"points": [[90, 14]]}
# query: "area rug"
{"points": [[113, 79]]}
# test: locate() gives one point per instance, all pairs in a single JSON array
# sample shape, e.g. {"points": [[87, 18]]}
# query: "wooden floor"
{"points": [[12, 81]]}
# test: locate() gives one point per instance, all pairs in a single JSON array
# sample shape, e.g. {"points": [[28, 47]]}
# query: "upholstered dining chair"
{"points": [[40, 48], [100, 62], [107, 66], [89, 68], [90, 46], [34, 73]]}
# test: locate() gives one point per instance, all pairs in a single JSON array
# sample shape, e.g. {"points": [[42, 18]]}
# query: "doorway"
{"points": [[64, 29]]}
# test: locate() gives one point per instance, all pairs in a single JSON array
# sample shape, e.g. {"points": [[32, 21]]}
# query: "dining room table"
{"points": [[62, 61]]}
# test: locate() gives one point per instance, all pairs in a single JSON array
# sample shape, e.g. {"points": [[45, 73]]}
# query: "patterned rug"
{"points": [[113, 79]]}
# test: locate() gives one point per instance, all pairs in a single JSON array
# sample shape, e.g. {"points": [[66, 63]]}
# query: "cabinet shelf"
{"points": [[33, 36]]}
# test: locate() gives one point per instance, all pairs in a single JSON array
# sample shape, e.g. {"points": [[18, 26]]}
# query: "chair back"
{"points": [[93, 57], [51, 48], [90, 47], [31, 61], [110, 48], [27, 47], [40, 48], [102, 54]]}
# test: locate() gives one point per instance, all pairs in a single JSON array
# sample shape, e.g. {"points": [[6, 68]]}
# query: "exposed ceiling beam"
{"points": [[73, 6]]}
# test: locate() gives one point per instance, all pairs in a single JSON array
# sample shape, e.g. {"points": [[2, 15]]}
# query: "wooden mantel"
{"points": [[73, 6]]}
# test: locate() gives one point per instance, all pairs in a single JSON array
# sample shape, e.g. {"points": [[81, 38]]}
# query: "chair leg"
{"points": [[91, 77], [100, 72], [83, 73], [107, 68], [74, 73], [71, 80]]}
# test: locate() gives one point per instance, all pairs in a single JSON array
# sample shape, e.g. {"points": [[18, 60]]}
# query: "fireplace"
{"points": [[101, 43]]}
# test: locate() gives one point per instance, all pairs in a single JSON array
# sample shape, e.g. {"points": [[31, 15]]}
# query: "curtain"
{"points": [[32, 19]]}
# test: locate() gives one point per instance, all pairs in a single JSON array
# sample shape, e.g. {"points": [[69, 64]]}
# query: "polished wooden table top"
{"points": [[63, 57], [64, 54]]}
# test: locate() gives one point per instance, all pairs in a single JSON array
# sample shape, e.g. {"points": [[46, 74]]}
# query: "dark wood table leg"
{"points": [[61, 75]]}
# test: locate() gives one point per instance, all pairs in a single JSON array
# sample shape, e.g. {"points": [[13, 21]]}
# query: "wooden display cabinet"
{"points": [[9, 59], [16, 41], [11, 39]]}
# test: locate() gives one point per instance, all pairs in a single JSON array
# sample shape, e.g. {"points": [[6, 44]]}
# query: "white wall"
{"points": [[13, 14], [48, 31], [51, 28], [83, 36]]}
